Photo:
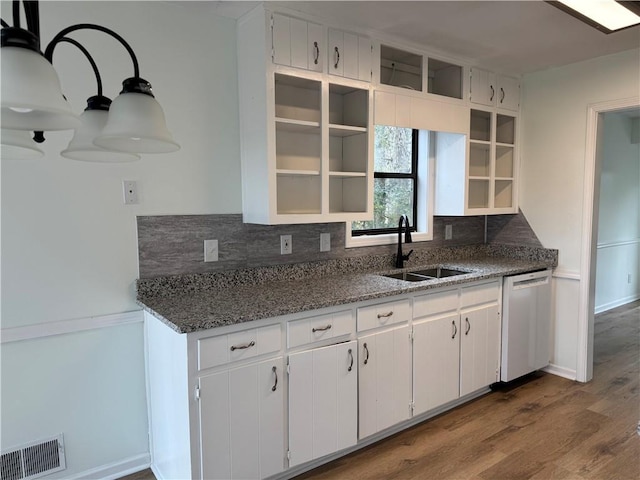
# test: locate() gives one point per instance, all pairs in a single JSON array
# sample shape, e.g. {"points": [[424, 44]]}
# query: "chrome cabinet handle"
{"points": [[350, 353], [336, 56], [366, 350], [493, 92], [385, 315], [468, 326], [275, 372], [321, 329], [316, 52], [502, 92], [455, 329], [242, 347]]}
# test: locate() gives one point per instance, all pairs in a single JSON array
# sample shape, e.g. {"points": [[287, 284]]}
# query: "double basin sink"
{"points": [[427, 274]]}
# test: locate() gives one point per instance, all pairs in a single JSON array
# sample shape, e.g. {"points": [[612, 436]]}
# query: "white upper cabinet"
{"points": [[482, 87], [508, 94], [296, 43], [349, 55], [491, 90], [400, 110], [306, 141]]}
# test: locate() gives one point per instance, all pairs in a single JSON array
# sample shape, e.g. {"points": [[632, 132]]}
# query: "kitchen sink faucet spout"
{"points": [[400, 258]]}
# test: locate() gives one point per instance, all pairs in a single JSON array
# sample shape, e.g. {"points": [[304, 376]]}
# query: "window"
{"points": [[395, 180], [401, 183]]}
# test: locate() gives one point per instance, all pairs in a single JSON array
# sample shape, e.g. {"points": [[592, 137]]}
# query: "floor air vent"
{"points": [[33, 460]]}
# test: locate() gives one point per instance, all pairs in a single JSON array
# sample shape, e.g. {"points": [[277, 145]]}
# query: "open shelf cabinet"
{"points": [[481, 178]]}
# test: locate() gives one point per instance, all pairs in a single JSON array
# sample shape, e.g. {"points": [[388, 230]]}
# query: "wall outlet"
{"points": [[130, 190], [285, 245], [448, 232], [325, 242], [211, 250]]}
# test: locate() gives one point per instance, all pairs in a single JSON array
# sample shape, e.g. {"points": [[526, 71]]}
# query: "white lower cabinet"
{"points": [[242, 422], [323, 408], [436, 362], [222, 407], [479, 348], [456, 346], [384, 386]]}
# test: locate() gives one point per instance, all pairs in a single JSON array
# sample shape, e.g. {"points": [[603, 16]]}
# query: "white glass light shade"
{"points": [[18, 145], [81, 146], [31, 94], [136, 124]]}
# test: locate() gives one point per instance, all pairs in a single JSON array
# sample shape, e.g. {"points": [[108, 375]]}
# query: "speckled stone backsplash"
{"points": [[173, 244]]}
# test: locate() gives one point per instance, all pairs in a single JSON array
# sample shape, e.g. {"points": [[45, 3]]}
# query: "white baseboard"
{"points": [[561, 371], [617, 303], [116, 470]]}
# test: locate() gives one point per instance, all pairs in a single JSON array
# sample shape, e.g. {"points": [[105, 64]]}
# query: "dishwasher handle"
{"points": [[535, 282]]}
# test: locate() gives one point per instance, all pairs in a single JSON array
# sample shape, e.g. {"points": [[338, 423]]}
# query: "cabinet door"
{"points": [[364, 59], [336, 52], [479, 348], [281, 39], [483, 88], [350, 51], [242, 423], [508, 93], [436, 362], [322, 401], [384, 370], [314, 47], [296, 43]]}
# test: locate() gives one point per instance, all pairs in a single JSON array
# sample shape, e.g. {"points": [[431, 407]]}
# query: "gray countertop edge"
{"points": [[239, 304]]}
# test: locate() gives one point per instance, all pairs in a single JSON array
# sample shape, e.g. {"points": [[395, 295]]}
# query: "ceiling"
{"points": [[507, 36]]}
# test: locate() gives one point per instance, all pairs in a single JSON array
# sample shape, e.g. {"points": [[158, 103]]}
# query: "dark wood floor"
{"points": [[545, 428]]}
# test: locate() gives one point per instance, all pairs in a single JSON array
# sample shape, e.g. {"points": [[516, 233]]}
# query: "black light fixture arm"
{"points": [[48, 53], [89, 58]]}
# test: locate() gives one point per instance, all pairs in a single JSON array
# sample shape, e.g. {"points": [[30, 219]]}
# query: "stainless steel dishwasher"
{"points": [[526, 324]]}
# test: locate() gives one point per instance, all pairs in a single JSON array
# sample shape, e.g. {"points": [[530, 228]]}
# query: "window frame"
{"points": [[412, 175], [426, 198]]}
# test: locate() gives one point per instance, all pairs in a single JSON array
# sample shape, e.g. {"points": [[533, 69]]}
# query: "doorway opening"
{"points": [[593, 175]]}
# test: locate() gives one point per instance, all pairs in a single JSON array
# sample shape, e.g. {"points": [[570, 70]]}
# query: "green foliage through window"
{"points": [[395, 182]]}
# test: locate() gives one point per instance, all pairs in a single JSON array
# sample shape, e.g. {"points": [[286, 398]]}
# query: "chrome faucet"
{"points": [[400, 258]]}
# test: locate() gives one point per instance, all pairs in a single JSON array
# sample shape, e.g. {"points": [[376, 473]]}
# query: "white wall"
{"points": [[69, 247], [618, 255], [554, 121]]}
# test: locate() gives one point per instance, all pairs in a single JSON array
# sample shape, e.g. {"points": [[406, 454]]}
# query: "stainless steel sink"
{"points": [[428, 274], [439, 272], [408, 277]]}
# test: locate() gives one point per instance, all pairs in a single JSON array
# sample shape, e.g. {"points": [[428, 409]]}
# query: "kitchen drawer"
{"points": [[214, 351], [436, 303], [314, 329], [384, 314], [478, 294]]}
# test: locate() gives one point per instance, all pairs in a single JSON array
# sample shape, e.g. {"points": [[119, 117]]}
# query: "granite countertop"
{"points": [[189, 309]]}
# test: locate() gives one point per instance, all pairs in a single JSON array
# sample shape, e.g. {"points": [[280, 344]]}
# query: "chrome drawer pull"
{"points": [[366, 360], [321, 329], [242, 347], [468, 326], [385, 315], [455, 329], [351, 357]]}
